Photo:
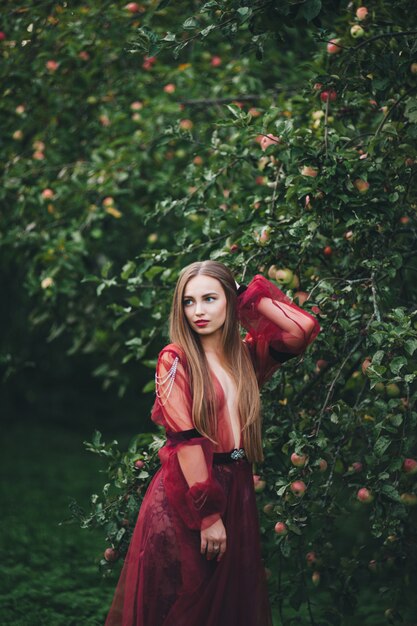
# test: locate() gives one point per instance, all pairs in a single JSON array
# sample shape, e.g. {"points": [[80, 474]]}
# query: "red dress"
{"points": [[165, 580]]}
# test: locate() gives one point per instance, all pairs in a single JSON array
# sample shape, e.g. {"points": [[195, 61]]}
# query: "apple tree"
{"points": [[279, 138]]}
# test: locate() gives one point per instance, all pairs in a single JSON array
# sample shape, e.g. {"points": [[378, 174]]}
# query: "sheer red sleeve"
{"points": [[187, 456], [278, 329]]}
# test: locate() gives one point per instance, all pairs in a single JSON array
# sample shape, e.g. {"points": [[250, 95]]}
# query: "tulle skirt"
{"points": [[166, 581]]}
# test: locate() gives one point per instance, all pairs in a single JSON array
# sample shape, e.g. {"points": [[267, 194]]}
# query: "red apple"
{"points": [[139, 464], [299, 460], [2, 35], [348, 235], [366, 363], [320, 363], [47, 194], [333, 46], [269, 140], [361, 185], [186, 124], [330, 94], [413, 68], [108, 201], [322, 465], [133, 7], [361, 13], [272, 271], [169, 88], [268, 509], [258, 483], [137, 105], [104, 120], [356, 467], [83, 55], [327, 251], [298, 488], [311, 558], [307, 170], [234, 247], [404, 219], [315, 577], [410, 466], [148, 62], [263, 236], [111, 555], [301, 297], [51, 65], [216, 61], [373, 566], [364, 495], [280, 528]]}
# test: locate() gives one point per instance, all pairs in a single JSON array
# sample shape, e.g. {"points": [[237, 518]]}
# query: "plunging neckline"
{"points": [[228, 412]]}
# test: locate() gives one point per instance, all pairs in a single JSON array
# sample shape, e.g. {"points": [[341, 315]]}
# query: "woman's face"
{"points": [[204, 301]]}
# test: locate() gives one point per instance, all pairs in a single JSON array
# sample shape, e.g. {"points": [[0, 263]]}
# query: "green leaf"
{"points": [[397, 363], [396, 420], [410, 110], [190, 23], [285, 548], [149, 387], [244, 12], [377, 357], [381, 446], [106, 268], [294, 528], [97, 438], [390, 492], [410, 346], [310, 10], [127, 269], [207, 30], [169, 37], [154, 271]]}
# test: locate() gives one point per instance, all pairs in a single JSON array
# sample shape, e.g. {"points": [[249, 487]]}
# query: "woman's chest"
{"points": [[229, 401]]}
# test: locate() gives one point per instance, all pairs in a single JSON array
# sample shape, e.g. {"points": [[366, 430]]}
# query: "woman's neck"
{"points": [[212, 346]]}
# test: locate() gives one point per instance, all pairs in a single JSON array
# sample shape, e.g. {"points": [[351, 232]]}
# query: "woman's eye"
{"points": [[186, 302], [210, 298]]}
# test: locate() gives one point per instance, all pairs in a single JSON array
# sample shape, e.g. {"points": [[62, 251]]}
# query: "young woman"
{"points": [[194, 557]]}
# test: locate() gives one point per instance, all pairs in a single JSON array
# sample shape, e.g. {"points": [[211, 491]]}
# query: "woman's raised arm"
{"points": [[278, 329]]}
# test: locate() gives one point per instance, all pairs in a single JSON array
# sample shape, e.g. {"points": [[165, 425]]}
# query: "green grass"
{"points": [[49, 573]]}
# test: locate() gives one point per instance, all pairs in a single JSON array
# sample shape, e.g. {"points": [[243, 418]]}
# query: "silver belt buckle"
{"points": [[238, 453]]}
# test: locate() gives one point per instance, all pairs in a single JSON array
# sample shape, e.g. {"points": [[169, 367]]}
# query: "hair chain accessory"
{"points": [[160, 381]]}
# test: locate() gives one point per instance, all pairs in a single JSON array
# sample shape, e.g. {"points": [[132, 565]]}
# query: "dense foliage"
{"points": [[278, 137]]}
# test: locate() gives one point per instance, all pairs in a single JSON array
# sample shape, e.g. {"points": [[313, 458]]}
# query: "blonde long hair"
{"points": [[236, 357]]}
